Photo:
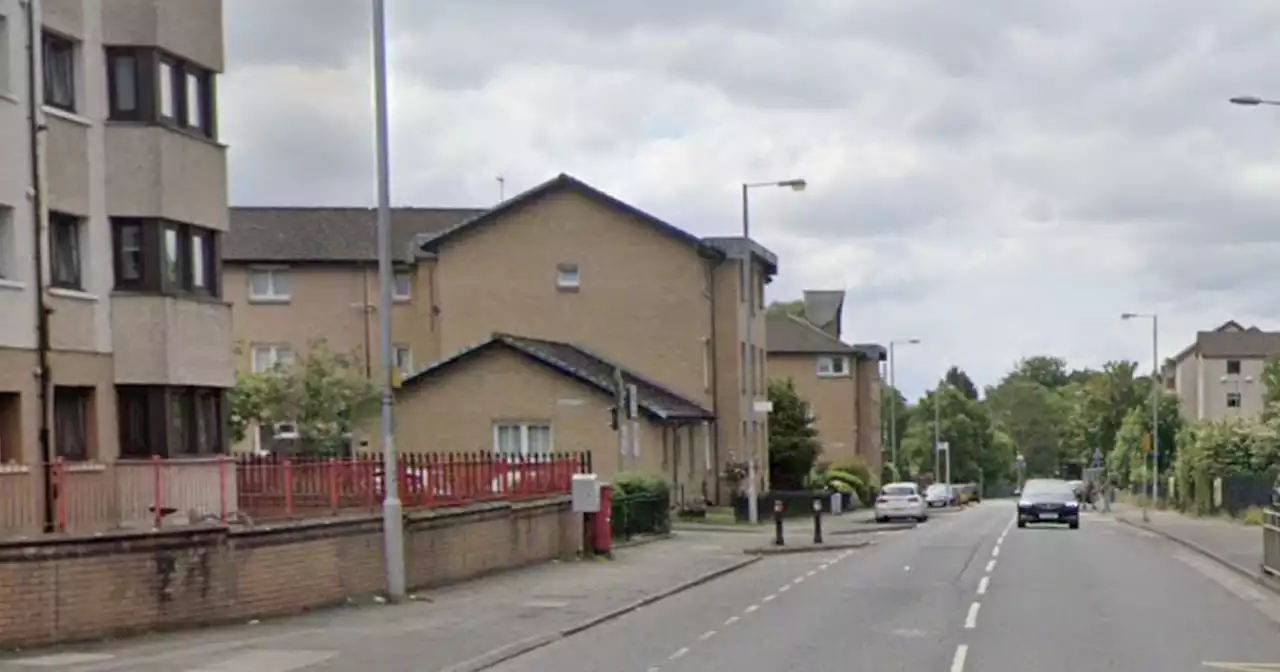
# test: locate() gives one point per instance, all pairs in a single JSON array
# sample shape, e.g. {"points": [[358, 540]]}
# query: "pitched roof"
{"points": [[288, 234], [1250, 343], [788, 334], [565, 182], [585, 367]]}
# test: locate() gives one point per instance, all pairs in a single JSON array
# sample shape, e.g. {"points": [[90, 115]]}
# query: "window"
{"points": [[59, 72], [270, 285], [170, 421], [149, 85], [267, 357], [742, 365], [1233, 367], [404, 359], [64, 243], [512, 439], [1233, 400], [164, 257], [833, 366], [567, 279], [7, 246], [402, 288], [71, 424]]}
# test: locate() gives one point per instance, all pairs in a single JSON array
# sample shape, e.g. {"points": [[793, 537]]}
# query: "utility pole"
{"points": [[1155, 409], [502, 188], [392, 511], [893, 401]]}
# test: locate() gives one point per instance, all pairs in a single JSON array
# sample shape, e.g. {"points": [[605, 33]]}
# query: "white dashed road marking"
{"points": [[751, 609], [680, 652], [707, 635], [971, 620], [731, 620], [957, 663], [995, 552], [990, 566], [982, 585]]}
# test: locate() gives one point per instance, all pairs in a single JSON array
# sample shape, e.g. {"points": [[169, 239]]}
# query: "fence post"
{"points": [[288, 488], [222, 488], [333, 484], [158, 500], [60, 493]]}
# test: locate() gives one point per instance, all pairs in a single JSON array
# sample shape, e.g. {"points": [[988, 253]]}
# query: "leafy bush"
{"points": [[641, 504], [1253, 516], [640, 483], [843, 479]]}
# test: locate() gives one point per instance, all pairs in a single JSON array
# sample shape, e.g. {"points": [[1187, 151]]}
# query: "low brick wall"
{"points": [[74, 588]]}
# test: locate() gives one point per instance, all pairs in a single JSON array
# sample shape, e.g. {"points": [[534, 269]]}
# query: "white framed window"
{"points": [[272, 285], [833, 366], [404, 359], [567, 277], [194, 100], [402, 287], [268, 356], [168, 99], [517, 438], [285, 430], [7, 243]]}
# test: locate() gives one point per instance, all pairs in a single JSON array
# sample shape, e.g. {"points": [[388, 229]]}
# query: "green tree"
{"points": [[1034, 417], [1128, 461], [1047, 371], [793, 440], [324, 394], [966, 427], [794, 308], [1271, 390], [957, 378], [893, 410]]}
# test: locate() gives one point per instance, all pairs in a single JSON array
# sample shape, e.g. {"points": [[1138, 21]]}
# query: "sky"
{"points": [[997, 178]]}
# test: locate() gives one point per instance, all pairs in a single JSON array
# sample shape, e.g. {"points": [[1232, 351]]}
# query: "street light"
{"points": [[893, 401], [392, 514], [748, 309], [1155, 400]]}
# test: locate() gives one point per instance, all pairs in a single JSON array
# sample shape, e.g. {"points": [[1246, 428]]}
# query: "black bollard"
{"points": [[817, 520], [777, 523]]}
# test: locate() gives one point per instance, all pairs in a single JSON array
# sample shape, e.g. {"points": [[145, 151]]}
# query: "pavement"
{"points": [[1236, 546], [966, 591]]}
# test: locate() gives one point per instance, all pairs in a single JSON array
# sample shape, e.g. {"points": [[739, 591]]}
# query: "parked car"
{"points": [[939, 495], [1048, 501], [900, 501]]}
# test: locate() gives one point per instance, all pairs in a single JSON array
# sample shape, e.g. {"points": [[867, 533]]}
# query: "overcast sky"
{"points": [[999, 178]]}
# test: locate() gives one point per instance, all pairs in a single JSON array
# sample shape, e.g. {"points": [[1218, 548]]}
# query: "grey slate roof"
{"points": [[587, 368], [288, 234], [734, 248], [788, 334], [1248, 344], [564, 182]]}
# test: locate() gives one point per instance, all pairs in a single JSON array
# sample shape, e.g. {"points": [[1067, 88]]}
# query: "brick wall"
{"points": [[65, 589]]}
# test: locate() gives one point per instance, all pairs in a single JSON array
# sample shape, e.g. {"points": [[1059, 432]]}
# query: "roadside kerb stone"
{"points": [[509, 651], [805, 548], [1258, 576]]}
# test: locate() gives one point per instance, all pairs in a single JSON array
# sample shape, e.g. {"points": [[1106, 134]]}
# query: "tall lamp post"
{"points": [[1155, 399], [392, 512], [893, 401], [747, 307], [1253, 101]]}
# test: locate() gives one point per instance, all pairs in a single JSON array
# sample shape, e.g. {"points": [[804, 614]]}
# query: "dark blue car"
{"points": [[1048, 501]]}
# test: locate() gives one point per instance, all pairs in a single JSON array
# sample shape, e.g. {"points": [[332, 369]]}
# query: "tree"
{"points": [[1034, 417], [793, 308], [957, 378], [1271, 389], [793, 440], [967, 429], [893, 410], [1045, 370], [324, 394], [1127, 460]]}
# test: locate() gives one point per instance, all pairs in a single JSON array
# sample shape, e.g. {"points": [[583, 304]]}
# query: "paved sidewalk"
{"points": [[1231, 543], [443, 628]]}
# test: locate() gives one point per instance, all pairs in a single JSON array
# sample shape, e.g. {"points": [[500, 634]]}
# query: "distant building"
{"points": [[1221, 373]]}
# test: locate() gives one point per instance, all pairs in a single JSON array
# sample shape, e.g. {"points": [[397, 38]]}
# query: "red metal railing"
{"points": [[298, 487]]}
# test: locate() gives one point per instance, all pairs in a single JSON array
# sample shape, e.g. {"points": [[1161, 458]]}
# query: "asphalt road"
{"points": [[963, 592]]}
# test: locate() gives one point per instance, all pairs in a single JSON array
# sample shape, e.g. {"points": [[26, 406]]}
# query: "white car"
{"points": [[900, 500]]}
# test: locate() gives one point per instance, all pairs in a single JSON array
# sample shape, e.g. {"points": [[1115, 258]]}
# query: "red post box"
{"points": [[603, 522]]}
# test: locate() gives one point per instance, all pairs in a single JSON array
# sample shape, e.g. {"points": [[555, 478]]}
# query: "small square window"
{"points": [[268, 357], [402, 289], [270, 285], [1233, 400], [832, 366], [567, 278], [404, 359], [1233, 367]]}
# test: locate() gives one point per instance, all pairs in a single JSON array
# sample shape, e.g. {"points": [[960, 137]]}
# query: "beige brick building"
{"points": [[112, 208], [562, 263]]}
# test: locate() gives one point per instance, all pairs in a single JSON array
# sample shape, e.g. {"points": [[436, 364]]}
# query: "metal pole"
{"points": [[937, 432], [893, 413], [748, 372], [392, 514], [1155, 409]]}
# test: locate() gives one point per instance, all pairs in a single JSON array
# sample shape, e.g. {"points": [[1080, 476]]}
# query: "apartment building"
{"points": [[562, 271], [112, 206], [840, 382], [1220, 374]]}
